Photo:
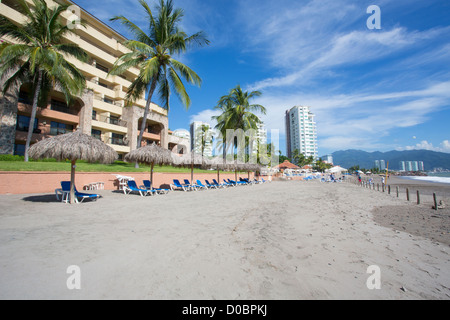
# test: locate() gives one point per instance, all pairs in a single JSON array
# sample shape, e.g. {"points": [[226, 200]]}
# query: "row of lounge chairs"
{"points": [[198, 185], [146, 189]]}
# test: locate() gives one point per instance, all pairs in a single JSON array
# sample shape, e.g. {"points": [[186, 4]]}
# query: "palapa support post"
{"points": [[418, 197], [407, 194], [72, 181], [397, 191], [389, 189]]}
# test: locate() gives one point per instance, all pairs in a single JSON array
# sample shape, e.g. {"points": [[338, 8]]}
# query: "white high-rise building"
{"points": [[301, 132], [201, 138]]}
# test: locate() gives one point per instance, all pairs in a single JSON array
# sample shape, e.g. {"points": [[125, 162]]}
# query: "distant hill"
{"points": [[431, 159]]}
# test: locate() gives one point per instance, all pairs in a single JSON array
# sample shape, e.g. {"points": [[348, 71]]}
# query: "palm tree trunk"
{"points": [[33, 115], [146, 112]]}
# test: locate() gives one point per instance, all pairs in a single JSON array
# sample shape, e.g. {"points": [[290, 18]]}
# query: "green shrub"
{"points": [[10, 157]]}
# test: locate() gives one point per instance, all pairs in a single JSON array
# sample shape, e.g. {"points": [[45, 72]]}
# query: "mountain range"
{"points": [[431, 159]]}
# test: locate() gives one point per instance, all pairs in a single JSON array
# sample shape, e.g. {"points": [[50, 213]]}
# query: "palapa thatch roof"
{"points": [[152, 153], [191, 159], [287, 165], [73, 146]]}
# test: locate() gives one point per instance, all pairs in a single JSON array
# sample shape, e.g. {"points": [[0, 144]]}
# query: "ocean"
{"points": [[439, 177]]}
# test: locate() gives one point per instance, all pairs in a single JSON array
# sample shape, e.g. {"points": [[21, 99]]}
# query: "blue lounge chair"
{"points": [[209, 185], [177, 185], [201, 185], [244, 180], [132, 187], [193, 186], [235, 182], [148, 186], [65, 185], [228, 183], [218, 185]]}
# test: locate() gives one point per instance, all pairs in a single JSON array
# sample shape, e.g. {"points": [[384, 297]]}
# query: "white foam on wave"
{"points": [[432, 179]]}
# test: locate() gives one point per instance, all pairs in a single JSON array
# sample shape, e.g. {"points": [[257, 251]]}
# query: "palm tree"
{"points": [[39, 56], [237, 112], [152, 54]]}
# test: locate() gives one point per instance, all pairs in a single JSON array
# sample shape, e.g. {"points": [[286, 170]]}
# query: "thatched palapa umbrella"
{"points": [[73, 146], [220, 163], [192, 160], [151, 154]]}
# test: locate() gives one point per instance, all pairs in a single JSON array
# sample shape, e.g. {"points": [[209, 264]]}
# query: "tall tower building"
{"points": [[301, 132], [201, 138]]}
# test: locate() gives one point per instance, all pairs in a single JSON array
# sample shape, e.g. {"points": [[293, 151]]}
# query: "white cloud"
{"points": [[358, 119], [444, 146], [205, 116]]}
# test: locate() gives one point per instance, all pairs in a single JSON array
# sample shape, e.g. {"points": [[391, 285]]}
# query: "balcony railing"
{"points": [[63, 109], [111, 120], [118, 141], [57, 131]]}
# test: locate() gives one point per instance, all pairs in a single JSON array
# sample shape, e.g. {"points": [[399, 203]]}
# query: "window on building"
{"points": [[108, 100], [96, 134], [94, 115], [24, 97], [23, 123], [117, 139], [60, 128], [114, 120], [19, 149], [101, 67], [60, 106]]}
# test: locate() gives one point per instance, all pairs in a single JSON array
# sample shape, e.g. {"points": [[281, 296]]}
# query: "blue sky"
{"points": [[372, 90]]}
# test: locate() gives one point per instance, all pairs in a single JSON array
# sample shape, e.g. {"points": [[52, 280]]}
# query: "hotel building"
{"points": [[411, 166], [301, 132], [100, 111]]}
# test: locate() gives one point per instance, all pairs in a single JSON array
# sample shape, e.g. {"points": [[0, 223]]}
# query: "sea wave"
{"points": [[430, 179]]}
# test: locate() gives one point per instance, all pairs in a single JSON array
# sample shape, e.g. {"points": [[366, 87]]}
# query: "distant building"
{"points": [[201, 137], [301, 132], [421, 166], [328, 158], [380, 165], [411, 166], [260, 138]]}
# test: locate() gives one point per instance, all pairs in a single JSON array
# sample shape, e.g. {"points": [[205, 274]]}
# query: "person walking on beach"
{"points": [[382, 181]]}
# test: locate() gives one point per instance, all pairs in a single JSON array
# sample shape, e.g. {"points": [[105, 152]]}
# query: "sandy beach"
{"points": [[279, 240]]}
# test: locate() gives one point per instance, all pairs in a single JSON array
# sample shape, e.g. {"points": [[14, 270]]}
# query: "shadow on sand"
{"points": [[42, 198]]}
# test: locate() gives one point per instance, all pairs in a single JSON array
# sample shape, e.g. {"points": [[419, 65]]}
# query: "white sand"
{"points": [[280, 240]]}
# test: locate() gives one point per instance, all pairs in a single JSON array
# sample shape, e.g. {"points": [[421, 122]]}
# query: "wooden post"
{"points": [[407, 194], [389, 189], [418, 197], [435, 201], [397, 191], [378, 187]]}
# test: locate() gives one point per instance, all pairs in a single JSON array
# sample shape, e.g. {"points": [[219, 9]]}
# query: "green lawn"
{"points": [[87, 167]]}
